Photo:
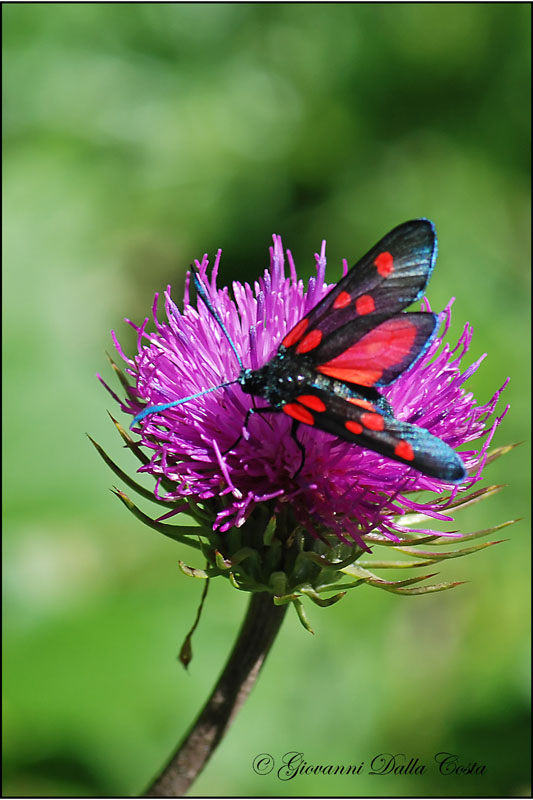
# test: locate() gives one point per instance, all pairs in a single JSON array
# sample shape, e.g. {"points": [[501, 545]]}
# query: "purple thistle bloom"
{"points": [[342, 488]]}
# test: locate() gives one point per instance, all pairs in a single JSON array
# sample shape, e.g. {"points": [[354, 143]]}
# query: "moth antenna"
{"points": [[163, 406], [214, 313]]}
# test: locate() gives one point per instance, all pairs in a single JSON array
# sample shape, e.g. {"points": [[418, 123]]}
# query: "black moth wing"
{"points": [[401, 339], [391, 276], [359, 421]]}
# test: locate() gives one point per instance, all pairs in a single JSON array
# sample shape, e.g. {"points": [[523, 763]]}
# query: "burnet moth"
{"points": [[329, 367]]}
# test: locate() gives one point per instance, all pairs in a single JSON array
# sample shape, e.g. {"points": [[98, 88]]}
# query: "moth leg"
{"points": [[301, 448], [268, 409]]}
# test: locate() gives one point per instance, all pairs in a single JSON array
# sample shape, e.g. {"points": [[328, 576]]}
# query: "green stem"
{"points": [[260, 626]]}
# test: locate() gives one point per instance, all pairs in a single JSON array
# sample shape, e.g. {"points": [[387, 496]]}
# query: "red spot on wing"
{"points": [[296, 333], [385, 263], [404, 450], [386, 345], [374, 422], [310, 341], [362, 403], [352, 426], [342, 300], [299, 413], [311, 401], [365, 304], [364, 377]]}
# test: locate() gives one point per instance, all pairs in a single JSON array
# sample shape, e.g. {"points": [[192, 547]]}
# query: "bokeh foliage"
{"points": [[136, 137]]}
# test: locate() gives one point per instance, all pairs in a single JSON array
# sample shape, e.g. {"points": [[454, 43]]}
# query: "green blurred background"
{"points": [[136, 138]]}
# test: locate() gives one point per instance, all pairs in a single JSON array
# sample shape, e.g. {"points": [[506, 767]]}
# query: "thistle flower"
{"points": [[274, 527], [345, 497]]}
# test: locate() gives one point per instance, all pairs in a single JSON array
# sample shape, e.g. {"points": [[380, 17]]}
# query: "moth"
{"points": [[329, 368]]}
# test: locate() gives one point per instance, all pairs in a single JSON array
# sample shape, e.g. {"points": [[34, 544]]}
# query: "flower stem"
{"points": [[260, 626]]}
